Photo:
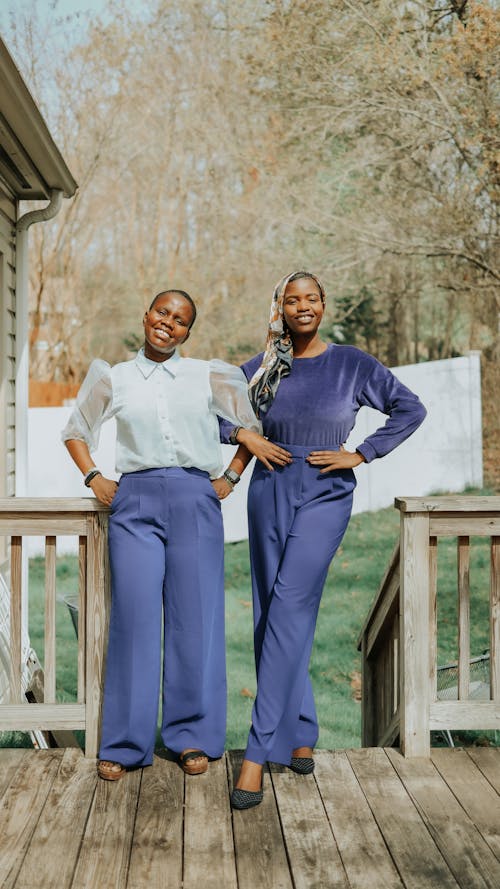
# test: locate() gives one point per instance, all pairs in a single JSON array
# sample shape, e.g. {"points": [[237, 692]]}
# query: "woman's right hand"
{"points": [[265, 451], [104, 489]]}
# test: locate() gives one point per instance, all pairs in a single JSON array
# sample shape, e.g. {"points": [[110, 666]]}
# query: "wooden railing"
{"points": [[87, 519], [399, 638]]}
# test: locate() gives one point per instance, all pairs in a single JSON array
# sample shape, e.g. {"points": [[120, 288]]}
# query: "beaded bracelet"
{"points": [[90, 475]]}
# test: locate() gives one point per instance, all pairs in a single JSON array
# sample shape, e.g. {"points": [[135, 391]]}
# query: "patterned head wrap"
{"points": [[278, 356]]}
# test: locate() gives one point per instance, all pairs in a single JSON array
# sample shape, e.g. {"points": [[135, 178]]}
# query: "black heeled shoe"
{"points": [[302, 765], [246, 799]]}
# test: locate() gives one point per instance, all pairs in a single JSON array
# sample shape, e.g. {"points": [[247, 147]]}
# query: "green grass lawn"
{"points": [[352, 583]]}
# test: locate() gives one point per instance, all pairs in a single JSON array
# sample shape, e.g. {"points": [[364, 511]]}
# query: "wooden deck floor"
{"points": [[367, 819]]}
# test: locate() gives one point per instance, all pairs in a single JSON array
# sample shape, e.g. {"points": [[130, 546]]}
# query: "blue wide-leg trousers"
{"points": [[166, 548], [297, 518]]}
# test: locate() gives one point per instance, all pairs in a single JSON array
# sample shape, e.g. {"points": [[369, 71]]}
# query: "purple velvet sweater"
{"points": [[316, 405]]}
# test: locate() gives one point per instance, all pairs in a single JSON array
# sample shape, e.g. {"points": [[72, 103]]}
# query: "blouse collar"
{"points": [[147, 367]]}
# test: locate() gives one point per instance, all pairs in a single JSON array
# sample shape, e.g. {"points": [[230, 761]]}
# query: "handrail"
{"points": [[399, 636], [50, 517]]}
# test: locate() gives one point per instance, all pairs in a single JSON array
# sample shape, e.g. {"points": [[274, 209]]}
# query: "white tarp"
{"points": [[445, 454]]}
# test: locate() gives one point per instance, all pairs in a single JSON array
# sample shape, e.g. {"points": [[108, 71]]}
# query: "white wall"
{"points": [[445, 454]]}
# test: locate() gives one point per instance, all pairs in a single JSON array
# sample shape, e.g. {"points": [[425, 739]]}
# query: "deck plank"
{"points": [[156, 858], [105, 850], [55, 843], [260, 852], [468, 856], [366, 819], [208, 836], [419, 862], [312, 852], [20, 809], [10, 762], [487, 760], [474, 793], [364, 853]]}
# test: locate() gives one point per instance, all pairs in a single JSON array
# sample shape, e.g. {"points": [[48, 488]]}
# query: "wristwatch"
{"points": [[231, 476]]}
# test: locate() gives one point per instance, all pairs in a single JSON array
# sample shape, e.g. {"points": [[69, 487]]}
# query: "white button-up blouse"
{"points": [[166, 412]]}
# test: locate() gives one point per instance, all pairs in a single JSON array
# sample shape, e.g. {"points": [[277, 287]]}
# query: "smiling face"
{"points": [[303, 307], [166, 325]]}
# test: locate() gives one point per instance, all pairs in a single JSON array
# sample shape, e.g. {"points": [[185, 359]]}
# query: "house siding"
{"points": [[8, 211]]}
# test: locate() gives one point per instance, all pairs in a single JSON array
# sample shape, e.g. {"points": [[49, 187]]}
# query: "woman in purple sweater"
{"points": [[307, 394]]}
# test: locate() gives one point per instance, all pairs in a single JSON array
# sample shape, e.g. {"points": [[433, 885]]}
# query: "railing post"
{"points": [[368, 712], [414, 635], [97, 613]]}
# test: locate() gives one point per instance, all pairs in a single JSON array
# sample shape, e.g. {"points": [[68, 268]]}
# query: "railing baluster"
{"points": [[49, 666], [495, 620], [433, 618], [16, 619], [395, 666], [51, 517], [82, 615], [463, 561]]}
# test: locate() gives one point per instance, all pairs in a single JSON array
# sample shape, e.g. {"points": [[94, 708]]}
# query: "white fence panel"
{"points": [[445, 454]]}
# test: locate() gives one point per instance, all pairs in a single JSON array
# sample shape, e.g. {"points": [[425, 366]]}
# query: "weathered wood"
{"points": [[27, 525], [208, 838], [312, 852], [474, 793], [35, 694], [414, 635], [451, 526], [364, 853], [464, 715], [392, 568], [105, 850], [394, 820], [55, 844], [391, 732], [433, 552], [42, 505], [10, 762], [97, 608], [388, 605], [20, 809], [487, 759], [420, 864], [495, 620], [82, 617], [260, 854], [156, 858], [28, 717], [448, 503], [463, 562], [368, 712], [49, 666], [468, 856], [16, 544]]}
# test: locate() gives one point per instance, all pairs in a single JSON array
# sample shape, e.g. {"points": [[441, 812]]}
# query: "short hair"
{"points": [[184, 295], [304, 274]]}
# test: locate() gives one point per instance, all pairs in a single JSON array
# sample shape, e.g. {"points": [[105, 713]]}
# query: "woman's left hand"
{"points": [[330, 460], [221, 487]]}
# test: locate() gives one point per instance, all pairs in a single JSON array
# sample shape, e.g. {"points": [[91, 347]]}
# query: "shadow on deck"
{"points": [[366, 818]]}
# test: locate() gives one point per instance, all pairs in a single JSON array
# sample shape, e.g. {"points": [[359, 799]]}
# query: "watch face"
{"points": [[233, 476]]}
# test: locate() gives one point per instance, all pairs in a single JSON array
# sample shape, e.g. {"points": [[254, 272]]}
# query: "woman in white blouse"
{"points": [[165, 539]]}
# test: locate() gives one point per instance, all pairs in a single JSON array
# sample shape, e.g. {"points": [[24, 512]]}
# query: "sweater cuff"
{"points": [[368, 451], [225, 430]]}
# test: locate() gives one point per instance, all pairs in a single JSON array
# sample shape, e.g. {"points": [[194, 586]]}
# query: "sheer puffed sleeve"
{"points": [[93, 406], [383, 391], [230, 395]]}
